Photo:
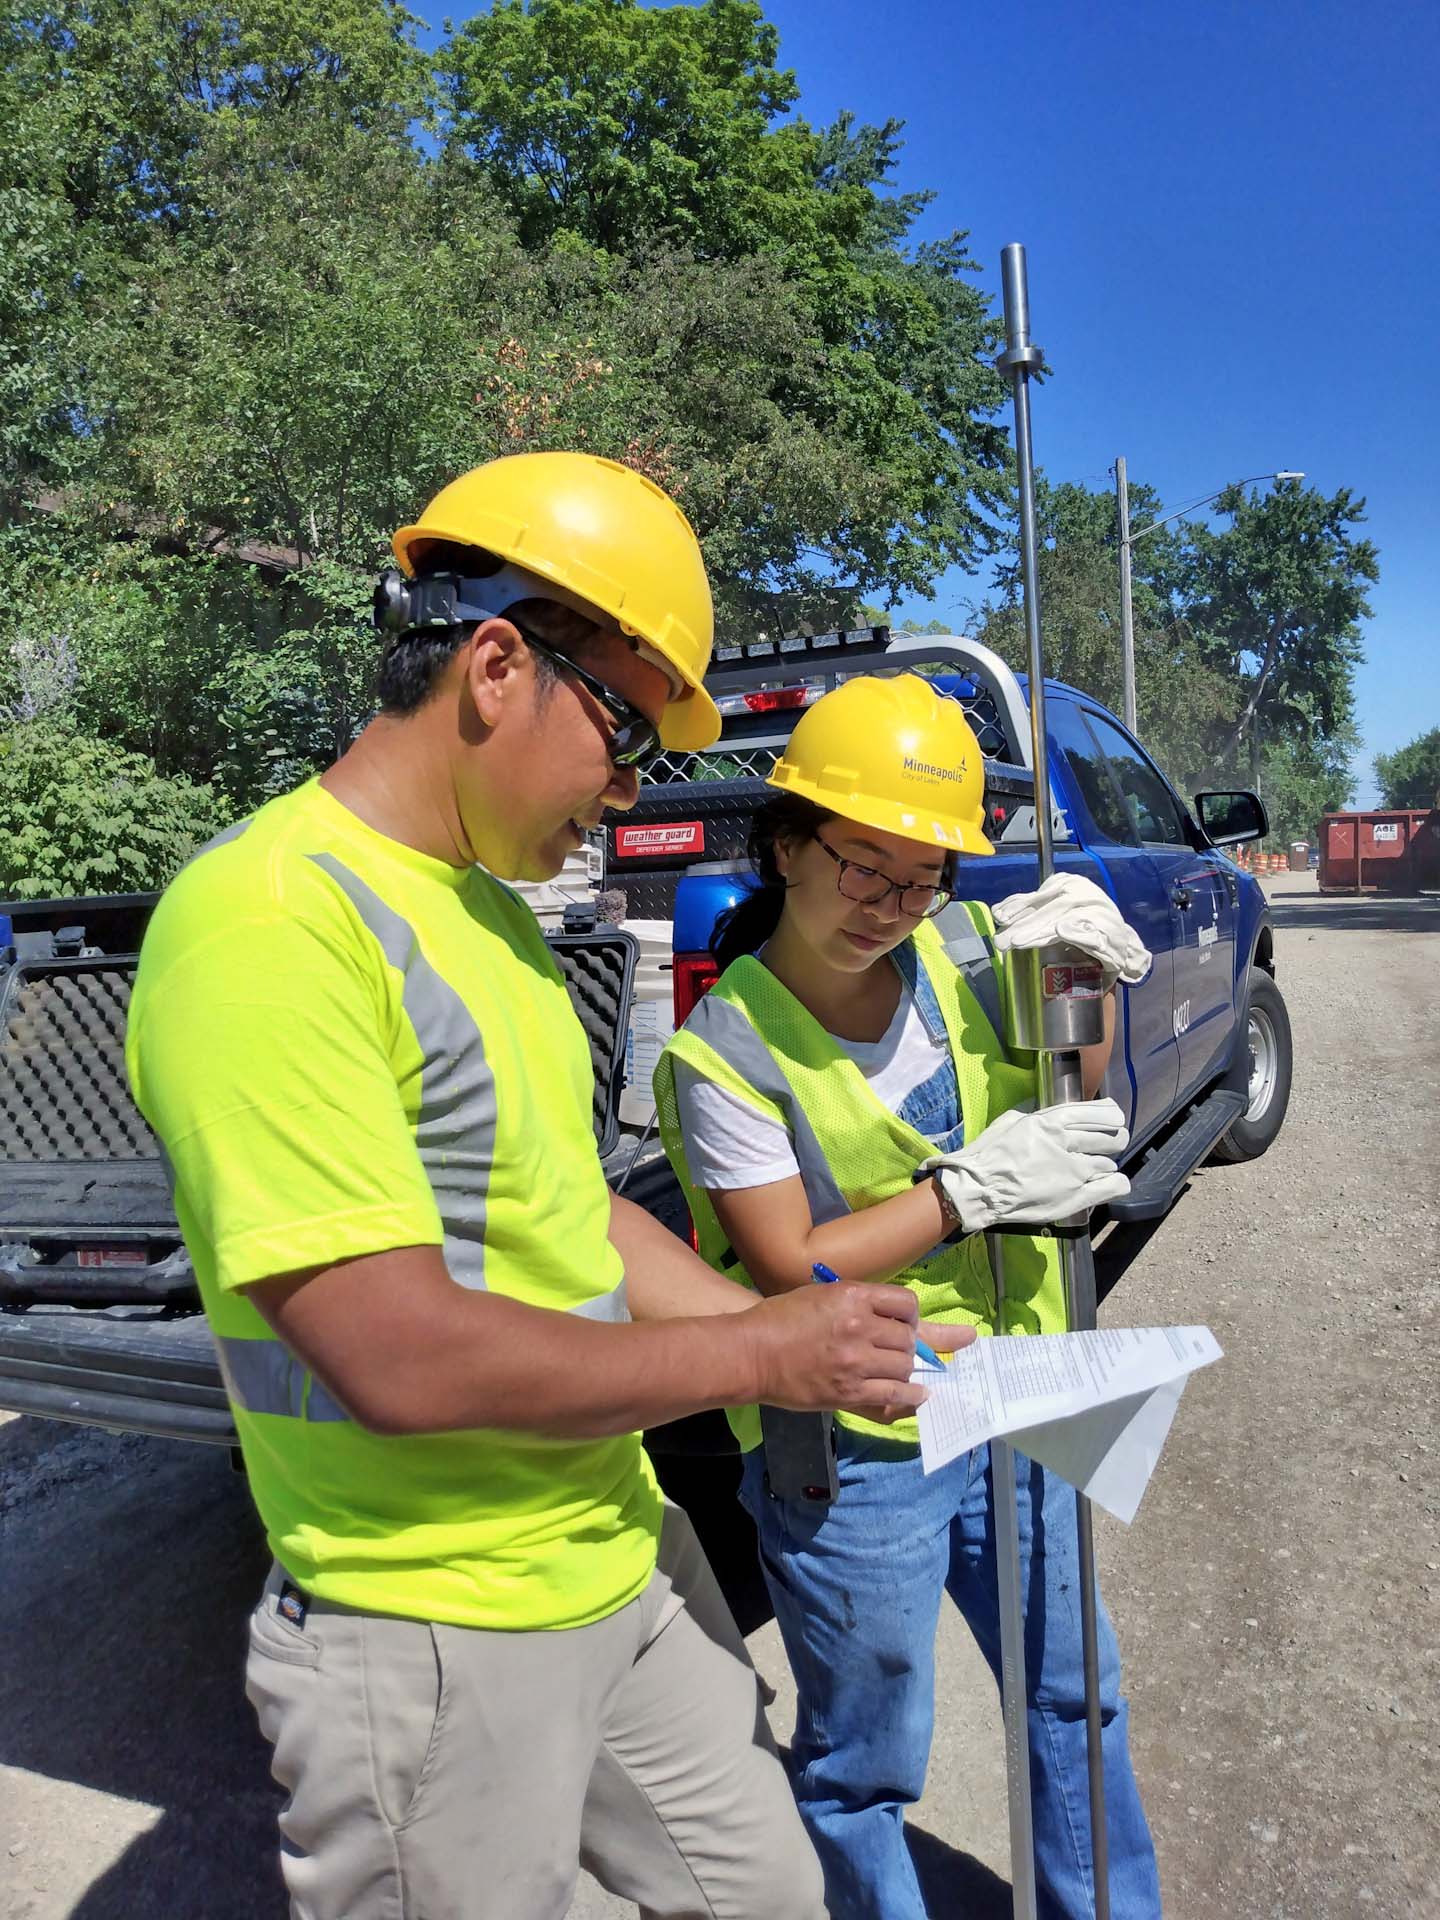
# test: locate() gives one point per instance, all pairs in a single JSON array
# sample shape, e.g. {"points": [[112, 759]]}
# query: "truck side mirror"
{"points": [[1228, 818]]}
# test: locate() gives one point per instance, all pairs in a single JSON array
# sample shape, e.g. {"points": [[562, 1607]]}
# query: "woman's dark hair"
{"points": [[745, 927]]}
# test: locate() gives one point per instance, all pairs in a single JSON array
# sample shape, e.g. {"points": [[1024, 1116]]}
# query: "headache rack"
{"points": [[696, 808]]}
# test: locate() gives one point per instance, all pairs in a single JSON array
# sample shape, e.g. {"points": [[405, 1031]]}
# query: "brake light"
{"points": [[776, 699], [693, 977]]}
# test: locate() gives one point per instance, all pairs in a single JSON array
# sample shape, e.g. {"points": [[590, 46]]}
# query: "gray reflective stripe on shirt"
{"points": [[221, 839], [455, 1127], [262, 1376], [607, 1306], [971, 954], [722, 1025]]}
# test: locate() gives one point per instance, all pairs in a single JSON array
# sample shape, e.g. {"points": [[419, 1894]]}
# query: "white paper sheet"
{"points": [[1093, 1407]]}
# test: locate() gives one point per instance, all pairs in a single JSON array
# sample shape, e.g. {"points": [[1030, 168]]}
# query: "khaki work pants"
{"points": [[448, 1773]]}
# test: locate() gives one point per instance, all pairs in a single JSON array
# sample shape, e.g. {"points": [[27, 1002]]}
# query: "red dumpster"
{"points": [[1425, 853], [1369, 852]]}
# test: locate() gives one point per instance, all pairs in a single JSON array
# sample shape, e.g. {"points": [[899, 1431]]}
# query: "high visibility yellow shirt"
{"points": [[346, 1046]]}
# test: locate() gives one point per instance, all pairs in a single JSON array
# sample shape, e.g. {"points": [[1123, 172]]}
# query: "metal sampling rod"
{"points": [[1010, 1592], [1056, 1010]]}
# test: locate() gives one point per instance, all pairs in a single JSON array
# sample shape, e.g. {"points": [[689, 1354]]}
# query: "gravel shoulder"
{"points": [[1275, 1598]]}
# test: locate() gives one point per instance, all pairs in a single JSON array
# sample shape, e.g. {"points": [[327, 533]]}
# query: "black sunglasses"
{"points": [[633, 737]]}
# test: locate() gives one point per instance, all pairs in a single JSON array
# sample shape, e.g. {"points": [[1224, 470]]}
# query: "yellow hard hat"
{"points": [[605, 536], [893, 754]]}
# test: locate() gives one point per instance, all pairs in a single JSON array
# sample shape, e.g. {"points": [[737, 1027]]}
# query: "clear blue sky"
{"points": [[1230, 213]]}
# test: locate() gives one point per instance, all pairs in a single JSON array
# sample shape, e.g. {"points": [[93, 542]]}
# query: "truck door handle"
{"points": [[1181, 897]]}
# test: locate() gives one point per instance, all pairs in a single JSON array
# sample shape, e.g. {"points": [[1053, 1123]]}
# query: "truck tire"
{"points": [[1271, 1060]]}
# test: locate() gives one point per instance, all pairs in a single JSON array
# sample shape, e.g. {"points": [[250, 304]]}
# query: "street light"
{"points": [[1127, 541]]}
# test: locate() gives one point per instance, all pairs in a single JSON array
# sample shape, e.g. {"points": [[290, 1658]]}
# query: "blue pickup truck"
{"points": [[1202, 1061], [100, 1321]]}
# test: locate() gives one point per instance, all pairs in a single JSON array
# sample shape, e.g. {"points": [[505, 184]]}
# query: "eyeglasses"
{"points": [[868, 887], [633, 736]]}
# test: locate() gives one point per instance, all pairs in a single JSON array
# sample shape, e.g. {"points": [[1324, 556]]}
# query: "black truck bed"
{"points": [[100, 1319]]}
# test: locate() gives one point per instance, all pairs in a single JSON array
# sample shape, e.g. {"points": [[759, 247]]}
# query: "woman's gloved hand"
{"points": [[1073, 909], [1028, 1169]]}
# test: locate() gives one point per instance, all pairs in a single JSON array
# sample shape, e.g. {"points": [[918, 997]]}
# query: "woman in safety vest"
{"points": [[843, 1097]]}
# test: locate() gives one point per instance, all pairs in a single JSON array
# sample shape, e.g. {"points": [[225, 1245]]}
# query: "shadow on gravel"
{"points": [[131, 1566], [122, 1655], [122, 1646], [955, 1885], [1119, 1248], [1357, 913]]}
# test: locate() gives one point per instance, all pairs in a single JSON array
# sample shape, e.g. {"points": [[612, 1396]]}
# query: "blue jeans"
{"points": [[856, 1588]]}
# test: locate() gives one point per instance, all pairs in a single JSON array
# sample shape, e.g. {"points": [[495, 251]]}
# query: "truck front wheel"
{"points": [[1271, 1059]]}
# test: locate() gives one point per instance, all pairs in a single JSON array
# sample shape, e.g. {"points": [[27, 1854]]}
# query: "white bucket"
{"points": [[652, 1019]]}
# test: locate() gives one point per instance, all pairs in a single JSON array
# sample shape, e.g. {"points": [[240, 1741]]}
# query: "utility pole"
{"points": [[1127, 541], [1127, 606]]}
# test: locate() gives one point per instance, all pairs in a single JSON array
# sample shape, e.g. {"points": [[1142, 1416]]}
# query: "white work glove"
{"points": [[1073, 909], [1028, 1169]]}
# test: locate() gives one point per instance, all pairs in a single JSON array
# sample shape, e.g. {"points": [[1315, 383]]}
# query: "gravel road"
{"points": [[1275, 1598]]}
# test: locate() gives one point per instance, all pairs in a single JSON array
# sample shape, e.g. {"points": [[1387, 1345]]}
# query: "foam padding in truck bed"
{"points": [[599, 970], [63, 1093]]}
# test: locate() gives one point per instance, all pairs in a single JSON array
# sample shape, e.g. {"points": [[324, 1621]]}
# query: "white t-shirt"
{"points": [[728, 1144]]}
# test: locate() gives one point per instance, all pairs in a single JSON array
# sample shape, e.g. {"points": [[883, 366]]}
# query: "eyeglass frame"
{"points": [[941, 896]]}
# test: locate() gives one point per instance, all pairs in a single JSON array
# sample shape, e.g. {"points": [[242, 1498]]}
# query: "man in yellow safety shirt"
{"points": [[487, 1650]]}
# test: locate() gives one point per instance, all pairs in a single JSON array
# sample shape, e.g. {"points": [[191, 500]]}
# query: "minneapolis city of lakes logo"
{"points": [[928, 770]]}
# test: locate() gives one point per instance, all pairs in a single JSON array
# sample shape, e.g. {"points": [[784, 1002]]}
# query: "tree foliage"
{"points": [[630, 126], [270, 275], [1300, 781], [252, 321], [80, 815], [1410, 777], [639, 130], [1246, 636], [1276, 598], [1183, 705]]}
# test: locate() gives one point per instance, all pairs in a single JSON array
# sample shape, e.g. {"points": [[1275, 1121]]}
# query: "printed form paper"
{"points": [[1093, 1407]]}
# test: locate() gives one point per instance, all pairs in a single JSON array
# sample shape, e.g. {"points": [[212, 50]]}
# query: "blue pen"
{"points": [[827, 1277]]}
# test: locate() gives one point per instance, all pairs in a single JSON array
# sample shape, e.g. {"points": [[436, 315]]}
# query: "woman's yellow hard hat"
{"points": [[605, 536], [892, 754]]}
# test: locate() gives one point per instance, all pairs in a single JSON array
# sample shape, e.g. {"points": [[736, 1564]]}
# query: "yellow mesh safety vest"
{"points": [[752, 1037]]}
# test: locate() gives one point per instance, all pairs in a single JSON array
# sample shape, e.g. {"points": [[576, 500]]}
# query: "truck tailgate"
{"points": [[131, 1368]]}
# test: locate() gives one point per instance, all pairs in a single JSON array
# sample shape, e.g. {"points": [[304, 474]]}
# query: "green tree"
{"points": [[640, 131], [104, 107], [628, 126], [1302, 779], [1246, 636], [1275, 600], [80, 815], [1183, 706], [1410, 777]]}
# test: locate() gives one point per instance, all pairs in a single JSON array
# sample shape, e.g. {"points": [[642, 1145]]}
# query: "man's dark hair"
{"points": [[413, 664]]}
